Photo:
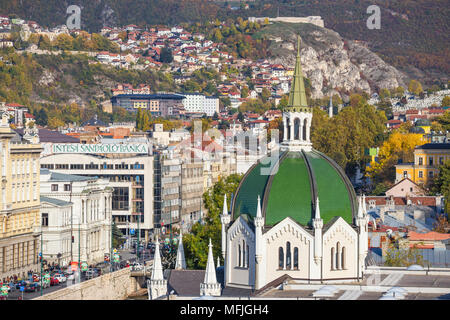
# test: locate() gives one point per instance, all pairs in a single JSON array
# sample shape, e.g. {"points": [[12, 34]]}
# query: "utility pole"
{"points": [[138, 236], [42, 260], [79, 247]]}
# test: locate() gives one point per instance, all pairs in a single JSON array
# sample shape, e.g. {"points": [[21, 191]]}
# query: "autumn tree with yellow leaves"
{"points": [[398, 146]]}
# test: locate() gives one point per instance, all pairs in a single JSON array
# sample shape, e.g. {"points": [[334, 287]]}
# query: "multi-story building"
{"points": [[191, 194], [161, 104], [19, 203], [427, 159], [89, 221], [56, 230], [197, 102], [131, 177]]}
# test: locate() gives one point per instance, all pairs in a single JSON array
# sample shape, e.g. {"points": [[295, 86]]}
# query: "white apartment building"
{"points": [[196, 102], [56, 218], [90, 220]]}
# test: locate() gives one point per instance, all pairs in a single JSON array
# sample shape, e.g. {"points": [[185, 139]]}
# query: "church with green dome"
{"points": [[295, 214]]}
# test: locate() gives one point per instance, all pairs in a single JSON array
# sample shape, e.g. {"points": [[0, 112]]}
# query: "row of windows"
{"points": [[21, 192], [431, 160], [93, 166], [285, 260], [23, 166], [67, 187]]}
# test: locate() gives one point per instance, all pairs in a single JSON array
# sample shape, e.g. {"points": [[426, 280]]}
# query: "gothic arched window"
{"points": [[297, 129], [288, 255], [244, 254], [304, 129], [343, 258], [332, 258], [295, 258], [280, 258], [338, 258], [288, 128], [248, 259], [239, 255]]}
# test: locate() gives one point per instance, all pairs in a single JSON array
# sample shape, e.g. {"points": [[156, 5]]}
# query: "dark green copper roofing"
{"points": [[253, 184], [297, 96], [291, 191]]}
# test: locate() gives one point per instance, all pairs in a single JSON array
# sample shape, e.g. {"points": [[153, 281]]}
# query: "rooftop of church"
{"points": [[290, 186]]}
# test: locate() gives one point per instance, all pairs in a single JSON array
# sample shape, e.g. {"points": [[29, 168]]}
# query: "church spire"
{"points": [[157, 270], [225, 207], [297, 95], [210, 275], [210, 286], [181, 261]]}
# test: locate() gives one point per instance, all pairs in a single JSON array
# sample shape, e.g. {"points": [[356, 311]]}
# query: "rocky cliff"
{"points": [[331, 63]]}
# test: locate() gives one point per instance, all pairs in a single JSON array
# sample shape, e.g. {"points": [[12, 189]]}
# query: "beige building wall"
{"points": [[345, 237], [279, 238], [19, 203]]}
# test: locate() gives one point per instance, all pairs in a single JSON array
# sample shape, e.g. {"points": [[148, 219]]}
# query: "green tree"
{"points": [[196, 242], [139, 119], [117, 236], [166, 55], [441, 184], [445, 101], [265, 94], [402, 257], [415, 87]]}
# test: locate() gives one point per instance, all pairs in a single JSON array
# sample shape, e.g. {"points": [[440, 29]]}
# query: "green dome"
{"points": [[299, 178]]}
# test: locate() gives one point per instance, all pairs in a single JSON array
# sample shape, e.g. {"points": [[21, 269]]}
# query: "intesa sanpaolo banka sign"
{"points": [[100, 148]]}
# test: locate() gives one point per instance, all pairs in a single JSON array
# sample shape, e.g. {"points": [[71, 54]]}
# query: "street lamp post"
{"points": [[42, 259]]}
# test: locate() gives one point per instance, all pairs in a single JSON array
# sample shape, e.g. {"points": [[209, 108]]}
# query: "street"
{"points": [[125, 255]]}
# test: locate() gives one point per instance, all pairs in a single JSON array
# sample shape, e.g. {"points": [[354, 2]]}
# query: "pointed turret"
{"points": [[364, 204], [210, 286], [259, 249], [225, 220], [317, 213], [181, 261], [157, 285], [258, 209], [218, 261], [318, 225], [210, 275], [360, 208], [225, 207], [297, 95], [157, 270]]}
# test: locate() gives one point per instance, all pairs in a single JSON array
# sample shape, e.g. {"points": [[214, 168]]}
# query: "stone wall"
{"points": [[111, 286]]}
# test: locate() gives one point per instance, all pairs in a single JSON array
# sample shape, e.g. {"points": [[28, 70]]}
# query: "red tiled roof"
{"points": [[421, 246], [402, 201], [433, 236]]}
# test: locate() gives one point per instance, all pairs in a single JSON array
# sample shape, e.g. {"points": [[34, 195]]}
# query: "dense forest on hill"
{"points": [[414, 34]]}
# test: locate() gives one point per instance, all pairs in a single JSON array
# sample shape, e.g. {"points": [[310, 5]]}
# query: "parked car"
{"points": [[61, 278], [54, 281], [21, 283], [92, 273], [31, 287]]}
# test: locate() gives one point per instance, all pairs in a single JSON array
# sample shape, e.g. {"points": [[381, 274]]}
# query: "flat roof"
{"points": [[161, 96]]}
